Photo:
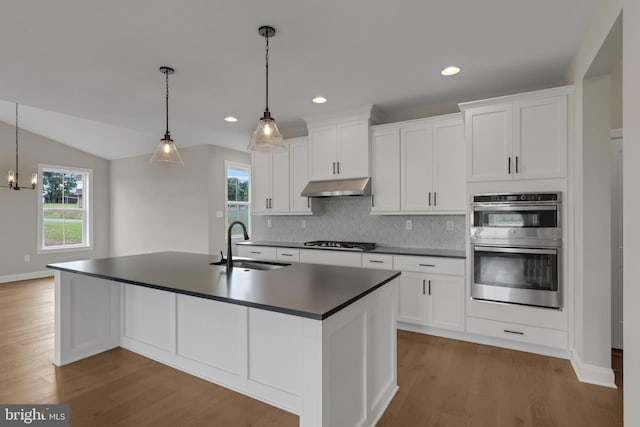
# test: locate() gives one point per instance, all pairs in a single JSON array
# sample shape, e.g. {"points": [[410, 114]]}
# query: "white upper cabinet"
{"points": [[431, 175], [417, 167], [298, 174], [385, 164], [339, 151], [518, 137], [339, 144], [270, 182]]}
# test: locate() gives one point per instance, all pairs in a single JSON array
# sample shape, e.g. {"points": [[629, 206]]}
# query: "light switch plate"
{"points": [[269, 223], [303, 223], [449, 225], [409, 224]]}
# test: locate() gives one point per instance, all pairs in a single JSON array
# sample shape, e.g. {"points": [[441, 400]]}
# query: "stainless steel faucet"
{"points": [[246, 237]]}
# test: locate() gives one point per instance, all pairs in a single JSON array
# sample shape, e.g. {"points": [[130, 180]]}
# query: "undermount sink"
{"points": [[253, 264]]}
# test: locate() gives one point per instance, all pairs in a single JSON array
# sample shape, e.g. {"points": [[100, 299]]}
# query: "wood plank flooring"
{"points": [[442, 382]]}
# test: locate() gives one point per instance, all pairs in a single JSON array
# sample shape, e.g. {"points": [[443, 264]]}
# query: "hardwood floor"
{"points": [[442, 382]]}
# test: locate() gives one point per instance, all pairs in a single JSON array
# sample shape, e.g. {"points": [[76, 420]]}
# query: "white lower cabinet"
{"points": [[431, 299], [526, 334], [260, 252], [340, 258]]}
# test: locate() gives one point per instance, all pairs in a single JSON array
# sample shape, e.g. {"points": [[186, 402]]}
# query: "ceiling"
{"points": [[87, 70]]}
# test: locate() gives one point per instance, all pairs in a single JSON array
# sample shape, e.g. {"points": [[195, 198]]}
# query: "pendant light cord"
{"points": [[266, 56], [16, 144], [166, 74]]}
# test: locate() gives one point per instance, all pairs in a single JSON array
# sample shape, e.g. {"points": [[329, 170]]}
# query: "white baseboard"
{"points": [[592, 374], [26, 276]]}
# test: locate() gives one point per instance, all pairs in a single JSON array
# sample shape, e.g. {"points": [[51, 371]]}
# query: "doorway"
{"points": [[616, 240]]}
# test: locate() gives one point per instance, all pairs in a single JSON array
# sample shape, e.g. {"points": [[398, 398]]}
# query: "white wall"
{"points": [[616, 97], [604, 18], [162, 208], [631, 159], [19, 209], [594, 344]]}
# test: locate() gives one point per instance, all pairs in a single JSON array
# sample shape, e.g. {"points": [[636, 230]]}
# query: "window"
{"points": [[238, 198], [64, 214]]}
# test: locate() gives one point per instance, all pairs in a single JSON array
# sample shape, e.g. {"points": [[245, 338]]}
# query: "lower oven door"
{"points": [[517, 275]]}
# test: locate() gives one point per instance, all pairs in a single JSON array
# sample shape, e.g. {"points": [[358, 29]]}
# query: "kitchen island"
{"points": [[318, 341]]}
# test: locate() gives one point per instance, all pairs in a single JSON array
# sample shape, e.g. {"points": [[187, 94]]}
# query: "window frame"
{"points": [[88, 209], [242, 166]]}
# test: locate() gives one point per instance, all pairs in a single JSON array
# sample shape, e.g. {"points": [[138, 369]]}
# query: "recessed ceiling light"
{"points": [[319, 100], [230, 119], [450, 71]]}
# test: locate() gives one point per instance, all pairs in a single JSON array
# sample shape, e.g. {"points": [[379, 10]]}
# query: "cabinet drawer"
{"points": [[522, 333], [346, 259], [259, 252], [287, 254], [377, 261], [435, 265]]}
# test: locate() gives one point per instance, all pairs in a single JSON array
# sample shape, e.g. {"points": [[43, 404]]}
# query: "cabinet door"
{"points": [[353, 146], [323, 153], [488, 131], [279, 202], [412, 301], [446, 302], [261, 182], [449, 188], [385, 173], [417, 163], [540, 140], [299, 175]]}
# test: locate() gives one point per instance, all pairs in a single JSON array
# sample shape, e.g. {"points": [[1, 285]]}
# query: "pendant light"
{"points": [[266, 137], [166, 152], [13, 176]]}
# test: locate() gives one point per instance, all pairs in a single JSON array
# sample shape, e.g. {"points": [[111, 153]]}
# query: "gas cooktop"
{"points": [[357, 246]]}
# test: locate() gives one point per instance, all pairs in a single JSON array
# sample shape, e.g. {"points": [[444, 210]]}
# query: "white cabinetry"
{"points": [[258, 252], [518, 137], [385, 165], [270, 182], [298, 175], [431, 291], [329, 257], [339, 151], [418, 167]]}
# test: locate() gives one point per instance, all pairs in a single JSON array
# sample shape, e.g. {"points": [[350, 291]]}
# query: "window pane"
{"points": [[63, 227], [237, 213], [237, 185]]}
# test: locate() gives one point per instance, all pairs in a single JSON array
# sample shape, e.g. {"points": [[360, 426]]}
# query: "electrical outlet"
{"points": [[269, 223], [303, 223], [409, 224], [449, 225], [27, 258]]}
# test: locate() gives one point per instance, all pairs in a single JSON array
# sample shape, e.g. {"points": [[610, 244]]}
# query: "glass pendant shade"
{"points": [[167, 152], [266, 137]]}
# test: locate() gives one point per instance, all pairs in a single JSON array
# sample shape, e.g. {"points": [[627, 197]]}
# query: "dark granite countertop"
{"points": [[306, 290], [391, 250]]}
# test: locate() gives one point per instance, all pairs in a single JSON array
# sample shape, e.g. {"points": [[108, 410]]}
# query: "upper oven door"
{"points": [[501, 222]]}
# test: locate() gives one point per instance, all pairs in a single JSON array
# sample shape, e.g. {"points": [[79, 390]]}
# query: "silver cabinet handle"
{"points": [[376, 261], [286, 254], [429, 287], [270, 203], [429, 198], [509, 165], [308, 202], [427, 265], [255, 252], [513, 332], [334, 168], [516, 164], [266, 203], [338, 168], [372, 198], [435, 199], [423, 285]]}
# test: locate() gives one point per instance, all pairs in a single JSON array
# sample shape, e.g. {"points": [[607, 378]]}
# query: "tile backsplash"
{"points": [[348, 219]]}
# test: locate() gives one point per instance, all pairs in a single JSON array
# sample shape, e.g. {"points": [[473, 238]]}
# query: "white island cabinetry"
{"points": [[332, 369]]}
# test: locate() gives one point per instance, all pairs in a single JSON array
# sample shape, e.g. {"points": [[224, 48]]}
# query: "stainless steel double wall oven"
{"points": [[516, 245]]}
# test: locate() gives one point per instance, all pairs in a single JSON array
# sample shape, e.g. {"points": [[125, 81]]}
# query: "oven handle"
{"points": [[483, 208], [515, 250]]}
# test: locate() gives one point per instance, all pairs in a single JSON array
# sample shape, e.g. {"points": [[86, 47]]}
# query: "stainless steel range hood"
{"points": [[338, 187]]}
